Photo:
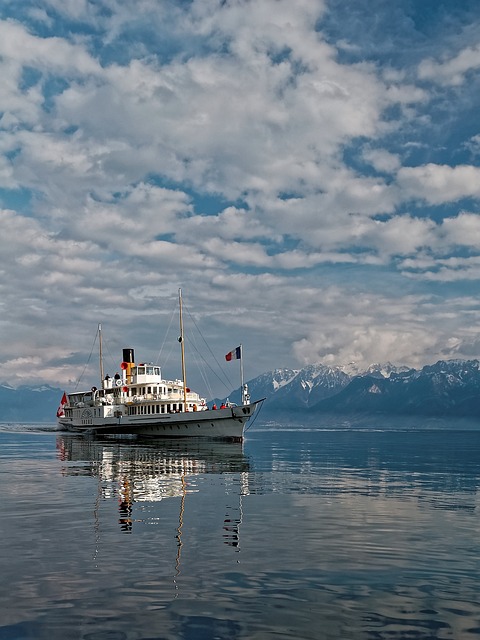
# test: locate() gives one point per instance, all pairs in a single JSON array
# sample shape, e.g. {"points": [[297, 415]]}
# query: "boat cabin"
{"points": [[144, 373]]}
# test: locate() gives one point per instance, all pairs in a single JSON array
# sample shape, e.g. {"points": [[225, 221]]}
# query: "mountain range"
{"points": [[29, 404], [446, 388]]}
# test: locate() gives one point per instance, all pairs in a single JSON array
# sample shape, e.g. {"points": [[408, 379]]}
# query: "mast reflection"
{"points": [[135, 471]]}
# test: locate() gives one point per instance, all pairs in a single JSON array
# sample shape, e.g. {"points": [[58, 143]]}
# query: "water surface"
{"points": [[299, 533]]}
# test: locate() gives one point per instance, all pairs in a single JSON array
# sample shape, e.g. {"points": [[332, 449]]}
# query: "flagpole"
{"points": [[241, 370], [100, 353], [182, 344]]}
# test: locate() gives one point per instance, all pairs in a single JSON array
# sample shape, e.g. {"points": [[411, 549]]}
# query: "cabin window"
{"points": [[149, 371], [157, 371], [149, 390], [141, 371]]}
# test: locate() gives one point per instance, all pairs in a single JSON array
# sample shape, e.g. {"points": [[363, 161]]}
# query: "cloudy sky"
{"points": [[307, 171]]}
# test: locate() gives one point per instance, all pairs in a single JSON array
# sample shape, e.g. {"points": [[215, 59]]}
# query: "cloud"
{"points": [[292, 175], [53, 54], [438, 184], [382, 160], [452, 70], [463, 230]]}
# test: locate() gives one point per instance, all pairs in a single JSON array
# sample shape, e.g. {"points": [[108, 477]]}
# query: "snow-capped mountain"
{"points": [[446, 388], [29, 404], [287, 388]]}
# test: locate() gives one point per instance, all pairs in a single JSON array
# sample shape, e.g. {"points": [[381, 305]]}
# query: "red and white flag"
{"points": [[63, 402], [236, 354]]}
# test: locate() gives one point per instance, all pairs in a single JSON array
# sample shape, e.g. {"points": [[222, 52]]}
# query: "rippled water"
{"points": [[300, 533]]}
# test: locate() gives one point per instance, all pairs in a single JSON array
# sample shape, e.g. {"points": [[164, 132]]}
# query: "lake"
{"points": [[299, 533]]}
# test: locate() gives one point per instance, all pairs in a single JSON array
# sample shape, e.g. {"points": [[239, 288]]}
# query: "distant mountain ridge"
{"points": [[29, 404], [446, 388]]}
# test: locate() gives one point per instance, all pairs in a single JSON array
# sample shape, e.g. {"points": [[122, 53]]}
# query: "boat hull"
{"points": [[227, 424]]}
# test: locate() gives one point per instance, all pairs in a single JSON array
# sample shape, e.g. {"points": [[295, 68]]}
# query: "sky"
{"points": [[307, 172]]}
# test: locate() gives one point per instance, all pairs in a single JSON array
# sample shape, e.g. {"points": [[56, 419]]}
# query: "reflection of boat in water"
{"points": [[140, 471], [140, 401]]}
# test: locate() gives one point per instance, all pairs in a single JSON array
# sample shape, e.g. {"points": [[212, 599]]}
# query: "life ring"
{"points": [[118, 382]]}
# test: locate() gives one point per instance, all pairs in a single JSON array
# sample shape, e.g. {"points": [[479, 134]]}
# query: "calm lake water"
{"points": [[301, 533]]}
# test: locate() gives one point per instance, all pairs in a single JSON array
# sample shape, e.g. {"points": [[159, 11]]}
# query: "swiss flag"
{"points": [[63, 402]]}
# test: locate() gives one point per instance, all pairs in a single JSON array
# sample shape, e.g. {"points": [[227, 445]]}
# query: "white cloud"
{"points": [[52, 54], [463, 230], [451, 70], [382, 160], [438, 184], [243, 153]]}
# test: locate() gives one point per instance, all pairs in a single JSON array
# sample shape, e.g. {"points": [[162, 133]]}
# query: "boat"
{"points": [[140, 402]]}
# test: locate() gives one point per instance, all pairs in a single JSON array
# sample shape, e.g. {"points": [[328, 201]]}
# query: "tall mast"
{"points": [[182, 344], [100, 349], [241, 368]]}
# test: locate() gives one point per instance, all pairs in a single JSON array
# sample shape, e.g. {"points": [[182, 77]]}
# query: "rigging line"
{"points": [[166, 334], [201, 369], [257, 413], [228, 383], [88, 361], [199, 361], [111, 358], [228, 386]]}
